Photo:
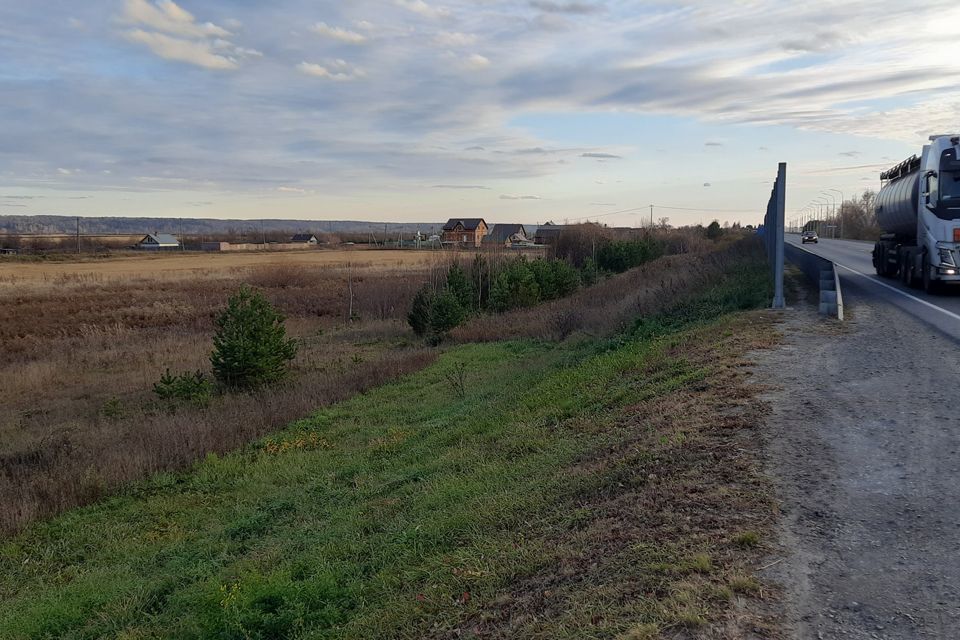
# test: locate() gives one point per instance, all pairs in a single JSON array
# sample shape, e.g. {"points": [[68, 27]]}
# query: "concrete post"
{"points": [[779, 214]]}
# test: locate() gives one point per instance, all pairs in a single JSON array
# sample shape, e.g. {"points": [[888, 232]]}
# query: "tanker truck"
{"points": [[918, 210]]}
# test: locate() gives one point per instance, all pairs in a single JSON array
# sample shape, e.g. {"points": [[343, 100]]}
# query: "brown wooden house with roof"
{"points": [[464, 232]]}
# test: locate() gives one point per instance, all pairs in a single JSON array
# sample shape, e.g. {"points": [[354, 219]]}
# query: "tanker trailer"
{"points": [[918, 210]]}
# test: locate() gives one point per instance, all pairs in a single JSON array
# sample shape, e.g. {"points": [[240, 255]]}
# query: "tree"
{"points": [[421, 311], [514, 287], [250, 348], [460, 286], [714, 230], [555, 278], [446, 312], [480, 277]]}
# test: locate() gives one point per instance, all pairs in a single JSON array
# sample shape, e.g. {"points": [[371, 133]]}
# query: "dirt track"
{"points": [[864, 442]]}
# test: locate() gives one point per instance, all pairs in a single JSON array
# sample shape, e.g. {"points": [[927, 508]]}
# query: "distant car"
{"points": [[809, 236]]}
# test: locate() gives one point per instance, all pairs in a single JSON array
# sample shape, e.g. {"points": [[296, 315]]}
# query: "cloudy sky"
{"points": [[524, 110]]}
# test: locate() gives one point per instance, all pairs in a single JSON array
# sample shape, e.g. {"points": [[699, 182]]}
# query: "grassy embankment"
{"points": [[586, 488]]}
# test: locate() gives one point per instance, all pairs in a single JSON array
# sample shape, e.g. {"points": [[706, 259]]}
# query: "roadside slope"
{"points": [[583, 489]]}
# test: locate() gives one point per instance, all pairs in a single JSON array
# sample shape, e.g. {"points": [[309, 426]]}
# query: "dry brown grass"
{"points": [[81, 351], [177, 265]]}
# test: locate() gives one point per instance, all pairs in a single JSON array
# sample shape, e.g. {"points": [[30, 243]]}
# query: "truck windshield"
{"points": [[950, 188]]}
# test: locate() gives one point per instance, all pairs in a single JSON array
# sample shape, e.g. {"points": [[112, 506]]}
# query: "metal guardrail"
{"points": [[772, 232], [821, 272]]}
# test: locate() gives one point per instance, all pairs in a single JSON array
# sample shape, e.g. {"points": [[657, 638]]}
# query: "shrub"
{"points": [[589, 274], [514, 287], [421, 311], [250, 348], [555, 278], [714, 231], [189, 387], [460, 286], [446, 312], [621, 255]]}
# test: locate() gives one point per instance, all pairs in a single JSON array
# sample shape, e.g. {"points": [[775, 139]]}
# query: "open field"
{"points": [[595, 487], [81, 352], [177, 265]]}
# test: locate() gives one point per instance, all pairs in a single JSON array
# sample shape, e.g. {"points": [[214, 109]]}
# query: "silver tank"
{"points": [[896, 206]]}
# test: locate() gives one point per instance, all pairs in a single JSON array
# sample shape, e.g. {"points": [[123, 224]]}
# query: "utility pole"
{"points": [[651, 216], [183, 241], [78, 235]]}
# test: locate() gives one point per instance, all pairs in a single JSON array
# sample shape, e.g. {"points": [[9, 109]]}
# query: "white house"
{"points": [[159, 241]]}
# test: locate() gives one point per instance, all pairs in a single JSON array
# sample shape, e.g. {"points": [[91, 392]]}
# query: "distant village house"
{"points": [[158, 241], [304, 238], [506, 235], [548, 234], [466, 232]]}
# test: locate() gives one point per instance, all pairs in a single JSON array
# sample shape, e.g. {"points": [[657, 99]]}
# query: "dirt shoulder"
{"points": [[863, 444]]}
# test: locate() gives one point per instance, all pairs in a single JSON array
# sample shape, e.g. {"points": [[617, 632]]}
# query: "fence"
{"points": [[773, 223]]}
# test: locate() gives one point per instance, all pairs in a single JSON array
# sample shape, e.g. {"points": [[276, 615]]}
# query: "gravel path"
{"points": [[864, 444]]}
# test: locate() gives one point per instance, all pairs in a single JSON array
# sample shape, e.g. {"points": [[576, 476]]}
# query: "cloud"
{"points": [[475, 148], [422, 8], [172, 33], [600, 156], [510, 197], [707, 184], [849, 154], [455, 39], [711, 143], [168, 17], [193, 52], [477, 61], [460, 186], [338, 33], [565, 7], [338, 70]]}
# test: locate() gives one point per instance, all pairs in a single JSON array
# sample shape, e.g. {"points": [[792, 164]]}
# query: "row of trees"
{"points": [[439, 307], [583, 256]]}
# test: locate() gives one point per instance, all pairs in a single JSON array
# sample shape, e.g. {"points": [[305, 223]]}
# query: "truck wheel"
{"points": [[880, 260]]}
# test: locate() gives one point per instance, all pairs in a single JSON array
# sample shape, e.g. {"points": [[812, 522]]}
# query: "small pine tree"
{"points": [[421, 311], [446, 313], [514, 287], [250, 348], [459, 285]]}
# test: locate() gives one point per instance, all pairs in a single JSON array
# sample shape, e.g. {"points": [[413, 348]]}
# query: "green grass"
{"points": [[398, 514]]}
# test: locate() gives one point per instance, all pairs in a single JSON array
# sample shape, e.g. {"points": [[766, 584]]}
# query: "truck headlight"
{"points": [[946, 258]]}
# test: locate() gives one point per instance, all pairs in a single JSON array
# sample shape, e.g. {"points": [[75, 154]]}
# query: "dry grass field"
{"points": [[83, 343], [176, 265]]}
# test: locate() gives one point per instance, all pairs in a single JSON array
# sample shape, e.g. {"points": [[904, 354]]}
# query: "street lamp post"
{"points": [[841, 210], [834, 200]]}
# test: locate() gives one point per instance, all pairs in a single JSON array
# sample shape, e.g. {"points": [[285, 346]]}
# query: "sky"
{"points": [[417, 110]]}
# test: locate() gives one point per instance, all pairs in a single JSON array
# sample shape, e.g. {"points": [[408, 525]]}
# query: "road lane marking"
{"points": [[900, 291]]}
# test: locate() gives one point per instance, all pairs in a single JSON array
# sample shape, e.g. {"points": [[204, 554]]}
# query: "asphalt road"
{"points": [[942, 311], [864, 444]]}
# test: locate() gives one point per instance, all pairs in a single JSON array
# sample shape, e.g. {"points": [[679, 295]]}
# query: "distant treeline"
{"points": [[247, 230]]}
